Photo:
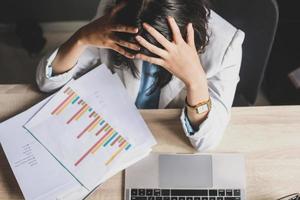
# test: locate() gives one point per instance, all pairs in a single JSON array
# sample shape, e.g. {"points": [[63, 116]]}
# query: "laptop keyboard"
{"points": [[176, 194]]}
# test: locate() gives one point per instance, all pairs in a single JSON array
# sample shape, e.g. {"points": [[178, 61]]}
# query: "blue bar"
{"points": [[76, 99], [110, 139], [102, 122], [128, 147]]}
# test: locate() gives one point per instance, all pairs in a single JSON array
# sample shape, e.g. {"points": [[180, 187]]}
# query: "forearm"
{"points": [[197, 92], [68, 54]]}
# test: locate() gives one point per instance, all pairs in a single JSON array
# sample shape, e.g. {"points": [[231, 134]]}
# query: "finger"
{"points": [[177, 37], [122, 51], [190, 35], [128, 45], [157, 36], [152, 48], [156, 61], [124, 29]]}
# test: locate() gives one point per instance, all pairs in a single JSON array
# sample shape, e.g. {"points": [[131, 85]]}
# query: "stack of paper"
{"points": [[90, 129]]}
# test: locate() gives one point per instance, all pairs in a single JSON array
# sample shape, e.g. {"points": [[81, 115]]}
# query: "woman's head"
{"points": [[155, 13]]}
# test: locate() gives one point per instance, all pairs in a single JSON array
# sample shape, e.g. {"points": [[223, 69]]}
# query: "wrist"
{"points": [[68, 54], [79, 39], [197, 79], [197, 92]]}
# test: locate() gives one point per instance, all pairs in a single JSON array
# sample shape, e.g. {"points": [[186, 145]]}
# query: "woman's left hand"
{"points": [[179, 57]]}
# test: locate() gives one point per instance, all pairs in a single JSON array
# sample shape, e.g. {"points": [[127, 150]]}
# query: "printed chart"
{"points": [[90, 130], [108, 136]]}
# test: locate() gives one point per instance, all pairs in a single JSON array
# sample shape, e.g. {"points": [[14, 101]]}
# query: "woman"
{"points": [[168, 54]]}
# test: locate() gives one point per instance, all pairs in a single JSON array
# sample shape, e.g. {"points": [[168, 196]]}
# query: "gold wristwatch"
{"points": [[200, 108]]}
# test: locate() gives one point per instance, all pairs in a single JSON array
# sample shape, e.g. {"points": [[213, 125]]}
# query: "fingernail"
{"points": [[145, 24], [138, 37], [136, 30]]}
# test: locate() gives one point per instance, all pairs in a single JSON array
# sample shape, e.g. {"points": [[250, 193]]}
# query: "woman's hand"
{"points": [[179, 57], [100, 33]]}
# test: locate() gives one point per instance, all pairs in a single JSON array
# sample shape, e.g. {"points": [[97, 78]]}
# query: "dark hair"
{"points": [[155, 13]]}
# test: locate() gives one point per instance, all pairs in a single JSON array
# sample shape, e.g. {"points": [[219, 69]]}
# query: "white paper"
{"points": [[70, 136], [38, 173]]}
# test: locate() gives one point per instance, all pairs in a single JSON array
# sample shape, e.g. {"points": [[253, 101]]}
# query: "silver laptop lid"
{"points": [[187, 171]]}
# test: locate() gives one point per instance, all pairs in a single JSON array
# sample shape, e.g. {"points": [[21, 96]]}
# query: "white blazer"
{"points": [[221, 62]]}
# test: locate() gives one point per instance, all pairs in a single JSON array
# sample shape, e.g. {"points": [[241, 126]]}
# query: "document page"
{"points": [[38, 173], [90, 125]]}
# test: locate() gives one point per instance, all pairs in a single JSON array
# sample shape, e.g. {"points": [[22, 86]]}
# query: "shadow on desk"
{"points": [[17, 98], [8, 183]]}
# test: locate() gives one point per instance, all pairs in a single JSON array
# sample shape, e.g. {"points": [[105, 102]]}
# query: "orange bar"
{"points": [[90, 150], [101, 129], [107, 135], [87, 128], [91, 115], [60, 105], [124, 141], [67, 103], [67, 90], [115, 141], [73, 117], [115, 154], [82, 112], [111, 132], [94, 125]]}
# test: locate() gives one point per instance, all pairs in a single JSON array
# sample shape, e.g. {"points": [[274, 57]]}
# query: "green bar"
{"points": [[75, 100], [110, 139]]}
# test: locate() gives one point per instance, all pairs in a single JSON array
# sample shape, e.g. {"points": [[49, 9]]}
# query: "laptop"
{"points": [[186, 177]]}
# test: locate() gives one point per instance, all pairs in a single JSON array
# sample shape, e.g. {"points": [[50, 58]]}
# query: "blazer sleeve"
{"points": [[47, 82], [222, 87], [89, 58]]}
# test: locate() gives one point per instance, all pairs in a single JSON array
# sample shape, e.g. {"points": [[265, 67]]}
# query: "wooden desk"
{"points": [[268, 136]]}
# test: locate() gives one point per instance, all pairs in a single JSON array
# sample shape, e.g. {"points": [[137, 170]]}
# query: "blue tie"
{"points": [[145, 100]]}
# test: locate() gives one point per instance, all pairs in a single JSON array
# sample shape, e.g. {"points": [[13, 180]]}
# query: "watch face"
{"points": [[202, 109]]}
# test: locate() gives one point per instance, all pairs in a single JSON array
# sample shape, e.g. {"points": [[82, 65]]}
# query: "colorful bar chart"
{"points": [[107, 136]]}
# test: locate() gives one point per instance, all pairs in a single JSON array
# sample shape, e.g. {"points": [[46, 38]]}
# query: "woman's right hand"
{"points": [[100, 33]]}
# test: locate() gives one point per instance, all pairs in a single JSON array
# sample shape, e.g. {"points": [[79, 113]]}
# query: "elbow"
{"points": [[42, 87], [42, 83], [45, 85], [40, 76], [207, 144], [48, 84], [211, 138]]}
